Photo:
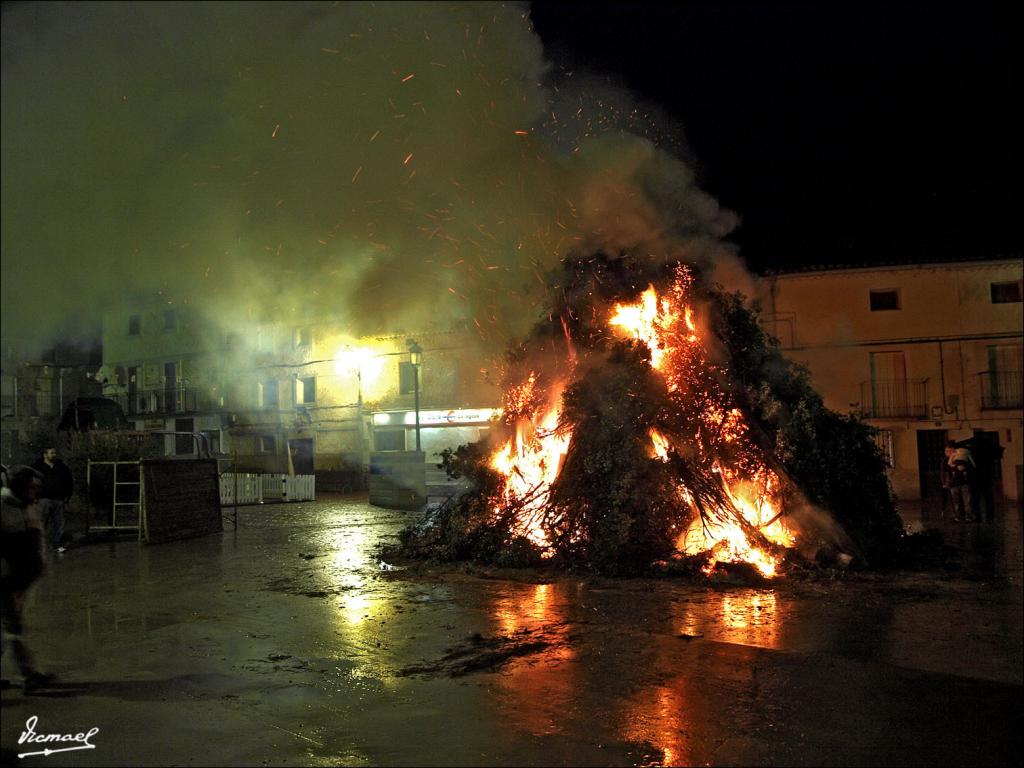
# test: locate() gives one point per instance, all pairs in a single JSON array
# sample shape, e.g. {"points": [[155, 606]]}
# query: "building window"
{"points": [[170, 320], [303, 337], [882, 301], [268, 444], [305, 390], [268, 394], [9, 389], [889, 394], [389, 440], [184, 445], [134, 325], [406, 378], [1006, 293], [1001, 383], [883, 439]]}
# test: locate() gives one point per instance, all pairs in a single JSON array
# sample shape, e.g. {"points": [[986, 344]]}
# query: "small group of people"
{"points": [[967, 484], [32, 505]]}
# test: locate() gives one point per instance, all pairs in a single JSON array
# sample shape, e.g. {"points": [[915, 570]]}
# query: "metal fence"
{"points": [[163, 401], [904, 398]]}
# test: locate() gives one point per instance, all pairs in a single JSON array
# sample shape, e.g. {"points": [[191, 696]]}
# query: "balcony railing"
{"points": [[160, 402], [1001, 390], [31, 404], [900, 399]]}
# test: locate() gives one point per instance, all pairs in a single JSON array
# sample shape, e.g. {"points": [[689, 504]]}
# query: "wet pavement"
{"points": [[284, 643]]}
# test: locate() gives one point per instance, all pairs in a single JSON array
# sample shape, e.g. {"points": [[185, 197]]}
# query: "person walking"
{"points": [[23, 551], [58, 483]]}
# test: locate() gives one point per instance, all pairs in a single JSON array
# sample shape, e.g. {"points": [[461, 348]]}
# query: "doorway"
{"points": [[184, 445], [301, 455], [931, 452]]}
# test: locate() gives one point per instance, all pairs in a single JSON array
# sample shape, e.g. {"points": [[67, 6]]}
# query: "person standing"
{"points": [[945, 477], [23, 551], [987, 456], [58, 484], [960, 489]]}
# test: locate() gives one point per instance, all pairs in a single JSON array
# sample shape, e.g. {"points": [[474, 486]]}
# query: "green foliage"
{"points": [[609, 486], [830, 457]]}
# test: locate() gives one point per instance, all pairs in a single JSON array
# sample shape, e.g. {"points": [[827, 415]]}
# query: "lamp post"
{"points": [[416, 359]]}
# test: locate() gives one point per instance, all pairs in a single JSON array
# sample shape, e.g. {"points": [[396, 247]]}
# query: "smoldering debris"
{"points": [[483, 654]]}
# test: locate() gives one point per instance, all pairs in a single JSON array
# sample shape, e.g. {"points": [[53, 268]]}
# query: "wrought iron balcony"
{"points": [[897, 399], [1001, 390], [162, 402]]}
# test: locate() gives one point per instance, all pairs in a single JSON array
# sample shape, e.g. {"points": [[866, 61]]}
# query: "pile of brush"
{"points": [[616, 507]]}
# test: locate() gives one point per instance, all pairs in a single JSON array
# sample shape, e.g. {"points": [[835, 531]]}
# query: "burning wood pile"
{"points": [[648, 420]]}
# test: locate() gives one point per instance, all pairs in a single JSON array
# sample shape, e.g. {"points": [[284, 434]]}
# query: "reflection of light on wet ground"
{"points": [[745, 617], [355, 607], [659, 717], [350, 560], [539, 687], [527, 609]]}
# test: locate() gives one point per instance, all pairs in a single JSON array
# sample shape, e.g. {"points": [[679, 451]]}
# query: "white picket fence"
{"points": [[250, 488], [256, 488]]}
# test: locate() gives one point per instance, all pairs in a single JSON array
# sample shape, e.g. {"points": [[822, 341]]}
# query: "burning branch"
{"points": [[629, 437]]}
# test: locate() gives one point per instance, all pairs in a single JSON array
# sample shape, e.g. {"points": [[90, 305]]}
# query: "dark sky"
{"points": [[839, 133]]}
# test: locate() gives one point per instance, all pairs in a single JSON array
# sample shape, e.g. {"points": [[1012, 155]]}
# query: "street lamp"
{"points": [[416, 359]]}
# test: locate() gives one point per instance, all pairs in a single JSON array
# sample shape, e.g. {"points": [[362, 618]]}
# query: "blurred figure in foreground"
{"points": [[23, 554]]}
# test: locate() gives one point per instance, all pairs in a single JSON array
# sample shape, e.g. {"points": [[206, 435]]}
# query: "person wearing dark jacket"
{"points": [[960, 488], [23, 551], [54, 495], [987, 456]]}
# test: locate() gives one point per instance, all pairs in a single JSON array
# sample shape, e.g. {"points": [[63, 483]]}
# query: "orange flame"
{"points": [[667, 326], [659, 445], [530, 461]]}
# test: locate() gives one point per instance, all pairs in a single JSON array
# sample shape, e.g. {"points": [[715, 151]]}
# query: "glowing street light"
{"points": [[349, 360]]}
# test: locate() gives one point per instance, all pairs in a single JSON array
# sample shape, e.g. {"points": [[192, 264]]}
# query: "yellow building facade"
{"points": [[925, 352], [290, 397]]}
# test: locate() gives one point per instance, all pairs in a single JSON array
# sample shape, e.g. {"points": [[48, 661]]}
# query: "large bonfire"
{"points": [[649, 420]]}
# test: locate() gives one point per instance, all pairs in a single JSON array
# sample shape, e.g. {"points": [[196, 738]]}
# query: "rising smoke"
{"points": [[397, 165]]}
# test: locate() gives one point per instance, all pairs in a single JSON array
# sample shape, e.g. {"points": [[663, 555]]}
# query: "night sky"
{"points": [[410, 164], [840, 133]]}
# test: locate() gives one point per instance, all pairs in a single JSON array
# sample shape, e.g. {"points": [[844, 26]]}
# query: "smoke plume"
{"points": [[397, 165]]}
